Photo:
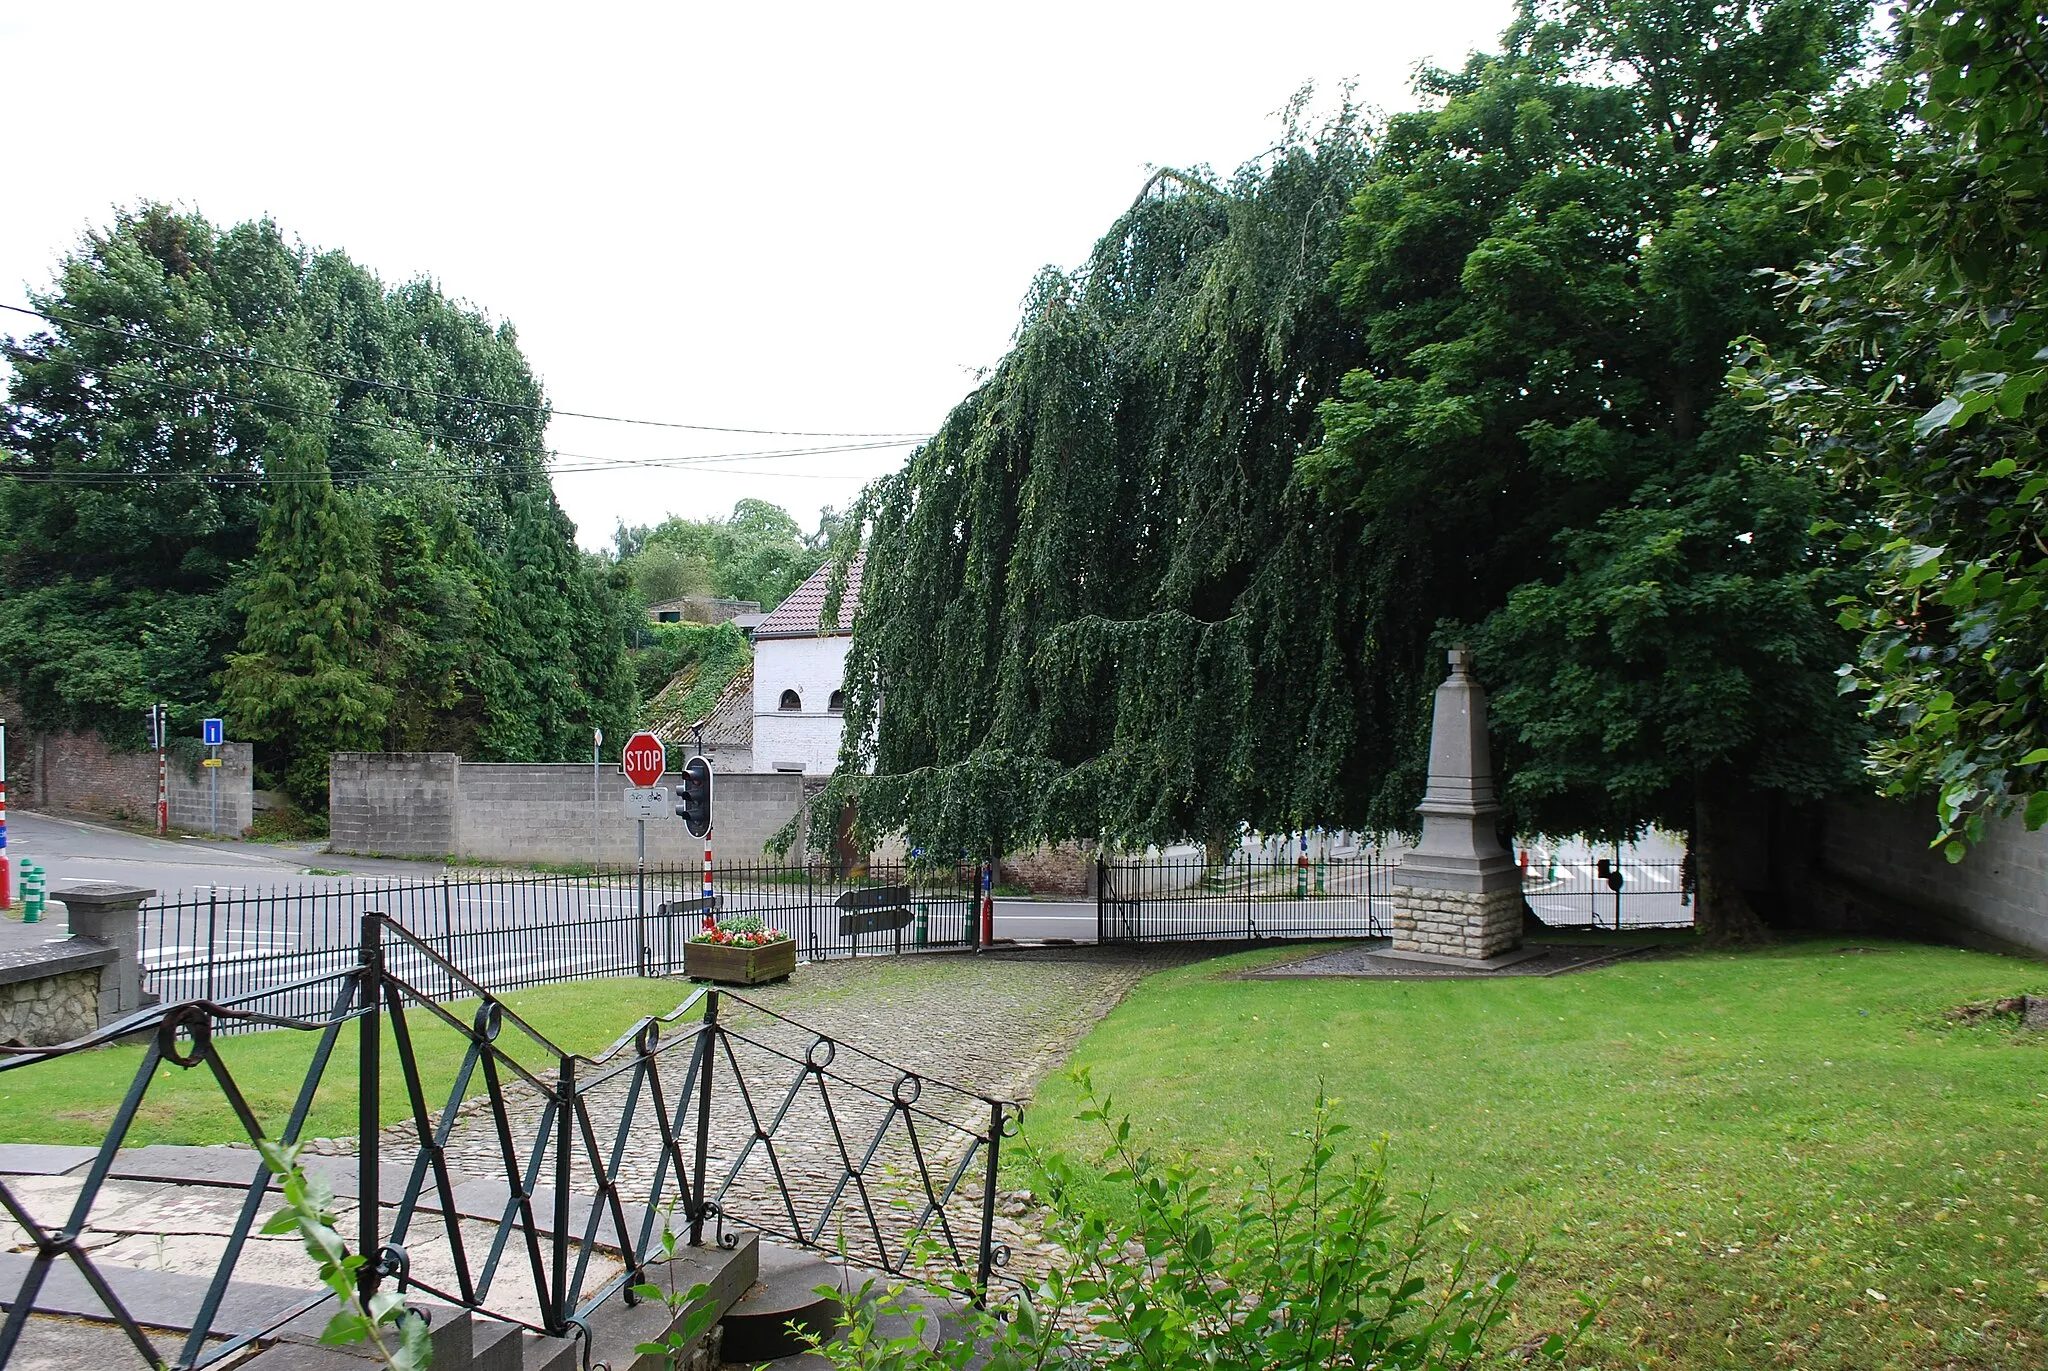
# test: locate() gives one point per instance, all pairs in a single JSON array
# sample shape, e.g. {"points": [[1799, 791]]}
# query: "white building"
{"points": [[799, 678]]}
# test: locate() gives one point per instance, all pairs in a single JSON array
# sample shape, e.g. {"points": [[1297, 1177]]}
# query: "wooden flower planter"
{"points": [[729, 964]]}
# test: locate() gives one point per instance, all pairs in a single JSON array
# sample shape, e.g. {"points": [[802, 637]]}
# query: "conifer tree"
{"points": [[303, 682]]}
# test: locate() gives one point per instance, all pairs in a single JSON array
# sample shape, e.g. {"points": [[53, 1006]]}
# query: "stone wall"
{"points": [[1866, 864], [51, 994], [78, 773], [1456, 923], [433, 804]]}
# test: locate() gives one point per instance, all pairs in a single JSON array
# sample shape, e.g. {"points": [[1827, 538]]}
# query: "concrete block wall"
{"points": [[436, 805], [1996, 896], [397, 804], [191, 803]]}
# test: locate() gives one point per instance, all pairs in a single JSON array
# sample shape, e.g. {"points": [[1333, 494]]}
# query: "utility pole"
{"points": [[596, 742]]}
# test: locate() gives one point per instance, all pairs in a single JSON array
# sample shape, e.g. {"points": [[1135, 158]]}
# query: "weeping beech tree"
{"points": [[1099, 603]]}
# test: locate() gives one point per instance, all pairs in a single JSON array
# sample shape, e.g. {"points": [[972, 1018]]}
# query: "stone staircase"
{"points": [[769, 1295]]}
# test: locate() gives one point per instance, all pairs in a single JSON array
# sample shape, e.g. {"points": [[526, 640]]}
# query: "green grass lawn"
{"points": [[1738, 1153], [72, 1100]]}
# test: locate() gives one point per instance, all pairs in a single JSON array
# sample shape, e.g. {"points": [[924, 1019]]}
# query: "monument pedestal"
{"points": [[1469, 925]]}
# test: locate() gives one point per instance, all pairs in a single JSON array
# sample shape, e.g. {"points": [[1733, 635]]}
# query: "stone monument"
{"points": [[1458, 894]]}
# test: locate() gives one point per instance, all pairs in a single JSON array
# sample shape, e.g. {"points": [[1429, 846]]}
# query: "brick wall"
{"points": [[434, 804], [78, 773], [1066, 869]]}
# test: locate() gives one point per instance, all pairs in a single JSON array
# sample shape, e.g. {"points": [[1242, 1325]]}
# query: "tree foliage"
{"points": [[206, 398], [758, 552], [1098, 603], [1549, 266], [1923, 373], [1185, 560]]}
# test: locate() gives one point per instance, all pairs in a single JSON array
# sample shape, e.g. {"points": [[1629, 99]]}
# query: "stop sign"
{"points": [[644, 759]]}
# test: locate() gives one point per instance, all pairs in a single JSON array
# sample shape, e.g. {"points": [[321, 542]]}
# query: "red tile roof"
{"points": [[797, 617]]}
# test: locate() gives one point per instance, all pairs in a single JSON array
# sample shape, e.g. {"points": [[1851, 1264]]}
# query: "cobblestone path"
{"points": [[862, 1160]]}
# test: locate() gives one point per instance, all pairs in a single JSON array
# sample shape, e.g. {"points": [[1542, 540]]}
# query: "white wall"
{"points": [[813, 668]]}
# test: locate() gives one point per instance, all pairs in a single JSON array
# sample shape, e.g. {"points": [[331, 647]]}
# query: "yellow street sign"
{"points": [[210, 761]]}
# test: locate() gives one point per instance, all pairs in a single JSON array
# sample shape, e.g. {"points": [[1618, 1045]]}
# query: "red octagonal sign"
{"points": [[644, 759]]}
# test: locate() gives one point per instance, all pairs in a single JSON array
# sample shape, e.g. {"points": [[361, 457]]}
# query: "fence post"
{"points": [[706, 1040], [1101, 894], [370, 1092], [565, 1118], [985, 1265]]}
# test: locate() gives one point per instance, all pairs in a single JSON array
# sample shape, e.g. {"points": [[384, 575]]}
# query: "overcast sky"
{"points": [[792, 217]]}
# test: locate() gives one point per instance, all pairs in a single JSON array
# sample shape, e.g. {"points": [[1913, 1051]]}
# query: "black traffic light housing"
{"points": [[693, 797]]}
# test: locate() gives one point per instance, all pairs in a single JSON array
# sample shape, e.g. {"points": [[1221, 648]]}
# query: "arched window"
{"points": [[837, 704], [791, 701]]}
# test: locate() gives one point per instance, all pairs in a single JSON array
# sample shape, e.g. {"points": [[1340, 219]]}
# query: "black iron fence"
{"points": [[1187, 899], [1609, 893], [514, 930], [1179, 900], [540, 1188]]}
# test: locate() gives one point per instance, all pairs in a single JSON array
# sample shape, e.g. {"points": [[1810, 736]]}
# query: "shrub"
{"points": [[1312, 1265]]}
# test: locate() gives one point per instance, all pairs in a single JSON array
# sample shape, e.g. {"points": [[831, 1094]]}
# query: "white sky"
{"points": [[808, 216]]}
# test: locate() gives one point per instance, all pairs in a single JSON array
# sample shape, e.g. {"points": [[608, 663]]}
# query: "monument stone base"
{"points": [[1457, 923]]}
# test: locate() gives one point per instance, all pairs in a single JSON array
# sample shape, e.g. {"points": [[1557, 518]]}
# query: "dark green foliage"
{"points": [[302, 681], [1549, 269], [684, 669], [140, 444], [1098, 604], [1923, 372]]}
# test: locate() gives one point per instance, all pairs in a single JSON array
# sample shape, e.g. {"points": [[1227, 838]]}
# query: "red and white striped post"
{"points": [[6, 876], [707, 875], [163, 797]]}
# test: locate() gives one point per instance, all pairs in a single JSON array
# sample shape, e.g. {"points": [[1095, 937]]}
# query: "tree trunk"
{"points": [[1721, 912]]}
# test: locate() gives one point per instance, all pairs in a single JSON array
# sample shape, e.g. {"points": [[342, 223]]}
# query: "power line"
{"points": [[537, 410], [591, 462]]}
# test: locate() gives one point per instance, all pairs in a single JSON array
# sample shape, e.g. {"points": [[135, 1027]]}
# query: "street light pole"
{"points": [[596, 742]]}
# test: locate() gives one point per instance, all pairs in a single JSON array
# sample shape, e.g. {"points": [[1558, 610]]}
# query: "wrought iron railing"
{"points": [[1186, 899], [1172, 900], [721, 1112], [517, 929]]}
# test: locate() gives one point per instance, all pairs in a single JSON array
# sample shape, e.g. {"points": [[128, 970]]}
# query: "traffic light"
{"points": [[693, 797]]}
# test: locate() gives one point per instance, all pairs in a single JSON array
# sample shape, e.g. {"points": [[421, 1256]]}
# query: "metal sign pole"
{"points": [[640, 885], [213, 795], [596, 742]]}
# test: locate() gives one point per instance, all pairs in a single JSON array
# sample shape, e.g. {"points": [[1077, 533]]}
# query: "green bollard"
{"points": [[31, 893], [922, 933]]}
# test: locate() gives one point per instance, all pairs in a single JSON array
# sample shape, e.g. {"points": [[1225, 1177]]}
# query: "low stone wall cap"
{"points": [[90, 893]]}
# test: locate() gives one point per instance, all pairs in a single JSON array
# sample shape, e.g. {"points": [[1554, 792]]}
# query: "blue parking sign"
{"points": [[212, 735]]}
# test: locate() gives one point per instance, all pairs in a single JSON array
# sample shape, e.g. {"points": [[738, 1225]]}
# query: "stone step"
{"points": [[759, 1327]]}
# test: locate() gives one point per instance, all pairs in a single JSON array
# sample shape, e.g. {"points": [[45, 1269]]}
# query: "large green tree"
{"points": [[1922, 373], [176, 361], [1550, 266], [1098, 603]]}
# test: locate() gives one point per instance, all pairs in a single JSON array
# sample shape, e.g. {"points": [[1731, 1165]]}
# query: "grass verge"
{"points": [[1785, 1157], [73, 1099]]}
